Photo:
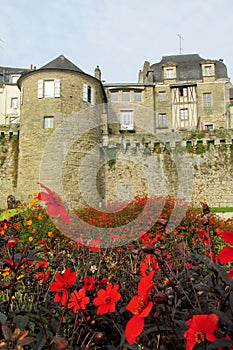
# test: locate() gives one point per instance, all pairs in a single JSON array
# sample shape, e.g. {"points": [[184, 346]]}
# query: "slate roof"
{"points": [[188, 67], [7, 72], [61, 62]]}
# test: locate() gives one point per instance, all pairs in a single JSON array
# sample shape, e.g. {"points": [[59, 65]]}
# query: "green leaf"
{"points": [[4, 215], [220, 343]]}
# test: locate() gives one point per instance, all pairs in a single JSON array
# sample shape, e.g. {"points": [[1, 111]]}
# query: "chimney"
{"points": [[98, 73], [140, 76], [150, 76]]}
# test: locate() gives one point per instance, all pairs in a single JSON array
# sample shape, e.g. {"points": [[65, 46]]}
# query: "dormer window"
{"points": [[169, 72], [208, 70]]}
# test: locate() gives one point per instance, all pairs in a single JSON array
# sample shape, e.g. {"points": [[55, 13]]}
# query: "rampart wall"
{"points": [[196, 167]]}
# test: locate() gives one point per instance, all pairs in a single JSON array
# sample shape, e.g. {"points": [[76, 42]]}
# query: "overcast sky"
{"points": [[117, 35]]}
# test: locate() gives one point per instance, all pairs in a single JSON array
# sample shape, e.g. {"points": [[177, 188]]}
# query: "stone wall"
{"points": [[197, 169], [8, 163], [197, 166]]}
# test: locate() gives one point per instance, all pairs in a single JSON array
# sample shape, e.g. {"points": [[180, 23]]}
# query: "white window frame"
{"points": [[184, 114], [126, 120], [162, 96], [170, 72], [207, 99], [48, 122], [208, 70], [162, 120], [88, 94], [48, 88], [183, 92], [14, 102], [14, 79]]}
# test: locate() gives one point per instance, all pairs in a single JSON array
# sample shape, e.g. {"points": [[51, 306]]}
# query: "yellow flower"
{"points": [[40, 216], [166, 281], [20, 277], [29, 222], [32, 202], [30, 238], [50, 234], [6, 272]]}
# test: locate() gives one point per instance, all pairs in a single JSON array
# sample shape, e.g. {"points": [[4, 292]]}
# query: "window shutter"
{"points": [[40, 88], [92, 96], [85, 93], [21, 96], [57, 88]]}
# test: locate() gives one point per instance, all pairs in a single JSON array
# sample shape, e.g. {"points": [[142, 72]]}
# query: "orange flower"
{"points": [[201, 329], [140, 306], [55, 206], [106, 299]]}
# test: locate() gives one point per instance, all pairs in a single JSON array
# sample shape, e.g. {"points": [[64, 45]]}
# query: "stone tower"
{"points": [[52, 98]]}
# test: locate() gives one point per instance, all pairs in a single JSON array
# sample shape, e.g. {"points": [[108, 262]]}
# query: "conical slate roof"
{"points": [[61, 62]]}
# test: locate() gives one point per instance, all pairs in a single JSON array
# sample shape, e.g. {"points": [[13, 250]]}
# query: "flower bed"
{"points": [[167, 289]]}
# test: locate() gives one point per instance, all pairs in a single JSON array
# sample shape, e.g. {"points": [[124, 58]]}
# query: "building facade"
{"points": [[74, 128], [9, 95]]}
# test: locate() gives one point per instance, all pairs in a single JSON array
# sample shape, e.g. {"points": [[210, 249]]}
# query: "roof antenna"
{"points": [[180, 43]]}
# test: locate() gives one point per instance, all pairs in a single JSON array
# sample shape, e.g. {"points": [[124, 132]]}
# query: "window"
{"points": [[126, 120], [48, 88], [162, 96], [114, 96], [184, 113], [14, 102], [126, 96], [169, 73], [209, 126], [137, 96], [14, 79], [162, 120], [207, 99], [208, 70], [183, 92], [48, 122], [88, 94]]}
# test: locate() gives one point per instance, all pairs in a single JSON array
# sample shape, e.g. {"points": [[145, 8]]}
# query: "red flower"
{"points": [[43, 276], [204, 236], [55, 206], [226, 254], [62, 285], [106, 299], [78, 300], [140, 306], [201, 329], [89, 283]]}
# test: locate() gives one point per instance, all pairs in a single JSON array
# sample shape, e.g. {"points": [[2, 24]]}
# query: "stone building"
{"points": [[92, 141], [9, 95], [184, 92], [50, 95]]}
